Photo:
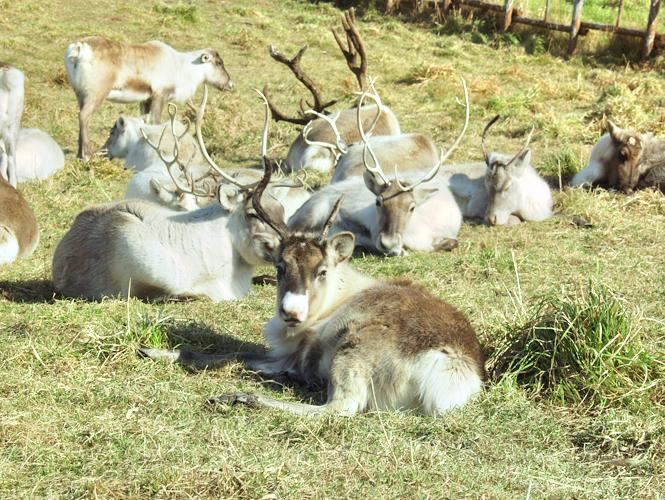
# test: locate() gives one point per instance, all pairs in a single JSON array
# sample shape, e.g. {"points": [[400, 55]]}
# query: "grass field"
{"points": [[573, 319]]}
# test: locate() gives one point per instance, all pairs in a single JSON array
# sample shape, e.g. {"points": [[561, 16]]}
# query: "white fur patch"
{"points": [[444, 382], [296, 305], [8, 247]]}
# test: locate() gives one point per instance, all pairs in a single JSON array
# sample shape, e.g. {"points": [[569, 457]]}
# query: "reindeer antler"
{"points": [[486, 155], [293, 64], [339, 147], [175, 160], [331, 219], [279, 227], [354, 48], [378, 171]]}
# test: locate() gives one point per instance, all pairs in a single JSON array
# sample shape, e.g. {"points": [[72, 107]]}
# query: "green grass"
{"points": [[81, 415]]}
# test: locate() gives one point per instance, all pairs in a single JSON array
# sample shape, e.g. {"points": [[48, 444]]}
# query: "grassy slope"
{"points": [[81, 414]]}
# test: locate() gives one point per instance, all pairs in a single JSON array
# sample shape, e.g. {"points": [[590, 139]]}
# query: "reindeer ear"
{"points": [[229, 197], [523, 160], [372, 184], [423, 194], [614, 131], [340, 246], [121, 122]]}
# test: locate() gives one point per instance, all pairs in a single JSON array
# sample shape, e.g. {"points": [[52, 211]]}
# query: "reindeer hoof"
{"points": [[446, 245], [236, 398]]}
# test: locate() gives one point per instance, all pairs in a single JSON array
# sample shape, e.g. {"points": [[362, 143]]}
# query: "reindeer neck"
{"points": [[348, 282]]}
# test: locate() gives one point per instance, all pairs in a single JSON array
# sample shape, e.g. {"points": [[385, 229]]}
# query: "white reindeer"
{"points": [[379, 345], [141, 249], [504, 190], [324, 140], [11, 110], [412, 211], [38, 156], [151, 73], [19, 232]]}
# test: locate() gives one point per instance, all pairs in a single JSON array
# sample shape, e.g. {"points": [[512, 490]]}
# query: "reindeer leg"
{"points": [[88, 107], [445, 245], [157, 102]]}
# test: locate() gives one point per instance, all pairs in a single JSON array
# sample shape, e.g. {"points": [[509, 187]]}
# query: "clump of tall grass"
{"points": [[184, 13], [579, 348]]}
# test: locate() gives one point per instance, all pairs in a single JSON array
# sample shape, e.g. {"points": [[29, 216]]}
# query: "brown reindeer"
{"points": [[625, 159], [380, 345], [19, 233]]}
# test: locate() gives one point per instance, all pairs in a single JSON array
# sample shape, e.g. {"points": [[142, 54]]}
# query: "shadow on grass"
{"points": [[28, 291], [195, 337]]}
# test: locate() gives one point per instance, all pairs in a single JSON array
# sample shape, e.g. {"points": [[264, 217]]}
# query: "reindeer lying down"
{"points": [[625, 159], [379, 345]]}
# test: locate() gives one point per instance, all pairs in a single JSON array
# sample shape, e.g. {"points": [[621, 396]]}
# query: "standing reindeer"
{"points": [[390, 215], [151, 73], [505, 189], [140, 249], [379, 345], [11, 111], [625, 159]]}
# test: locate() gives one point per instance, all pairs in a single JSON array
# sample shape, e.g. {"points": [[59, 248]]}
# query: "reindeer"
{"points": [[324, 139], [412, 152], [625, 159], [320, 146], [19, 232], [379, 345], [163, 184], [38, 156], [390, 214], [504, 190], [141, 249], [11, 111], [151, 73], [129, 137]]}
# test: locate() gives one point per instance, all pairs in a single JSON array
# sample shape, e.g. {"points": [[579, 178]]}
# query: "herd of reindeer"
{"points": [[189, 228]]}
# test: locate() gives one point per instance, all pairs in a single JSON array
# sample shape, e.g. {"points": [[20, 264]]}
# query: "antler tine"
{"points": [[169, 163], [374, 95], [486, 155], [524, 148], [198, 122], [330, 220], [339, 148], [294, 65], [354, 48], [444, 156], [376, 169], [279, 227]]}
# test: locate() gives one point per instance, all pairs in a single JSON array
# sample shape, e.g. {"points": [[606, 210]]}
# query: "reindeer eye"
{"points": [[412, 207], [379, 202], [281, 269], [205, 58], [322, 274]]}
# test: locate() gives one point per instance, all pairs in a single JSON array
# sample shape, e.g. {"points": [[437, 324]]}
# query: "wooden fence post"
{"points": [[619, 14], [575, 25], [507, 14], [650, 33]]}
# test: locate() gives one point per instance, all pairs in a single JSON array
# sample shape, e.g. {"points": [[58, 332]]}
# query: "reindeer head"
{"points": [[123, 134], [623, 160], [214, 70], [502, 170], [396, 199]]}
